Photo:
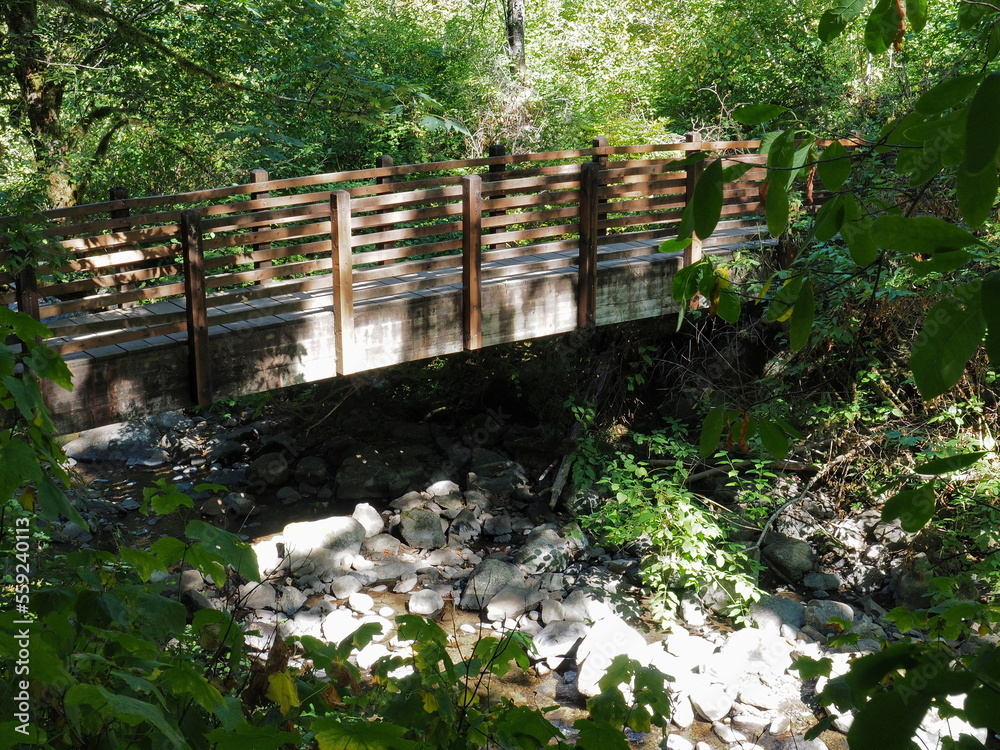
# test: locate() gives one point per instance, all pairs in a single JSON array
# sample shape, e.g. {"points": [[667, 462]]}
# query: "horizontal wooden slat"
{"points": [[102, 301], [650, 219], [134, 237], [406, 233], [528, 200], [296, 232], [368, 257], [529, 217], [405, 198], [506, 253], [426, 213], [644, 204], [531, 234], [401, 270], [571, 181]]}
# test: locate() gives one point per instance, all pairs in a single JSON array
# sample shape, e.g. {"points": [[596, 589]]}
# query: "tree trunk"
{"points": [[40, 99], [514, 17]]}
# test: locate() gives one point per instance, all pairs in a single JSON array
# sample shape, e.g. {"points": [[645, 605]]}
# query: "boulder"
{"points": [[792, 558], [559, 638], [427, 602], [311, 470], [271, 469], [130, 443], [337, 533], [607, 639], [368, 517], [422, 528], [511, 602], [366, 475], [819, 613], [543, 551], [486, 580]]}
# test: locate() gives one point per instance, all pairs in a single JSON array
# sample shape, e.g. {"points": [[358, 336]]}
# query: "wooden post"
{"points": [[472, 261], [120, 194], [601, 160], [343, 283], [199, 362], [27, 296], [693, 252], [586, 291], [382, 162], [256, 176]]}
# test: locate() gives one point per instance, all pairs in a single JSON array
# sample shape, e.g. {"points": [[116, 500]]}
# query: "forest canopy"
{"points": [[169, 96]]}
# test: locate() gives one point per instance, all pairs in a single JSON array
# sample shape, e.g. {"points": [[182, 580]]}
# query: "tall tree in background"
{"points": [[160, 86], [514, 18]]}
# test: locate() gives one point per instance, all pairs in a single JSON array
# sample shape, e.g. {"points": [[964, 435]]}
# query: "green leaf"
{"points": [[821, 726], [733, 172], [145, 563], [755, 114], [809, 668], [982, 129], [914, 508], [834, 166], [257, 736], [184, 680], [123, 708], [802, 317], [334, 733], [47, 363], [675, 245], [949, 464], [599, 736], [829, 219], [54, 502], [888, 722], [708, 200], [773, 437], [234, 550], [990, 301], [26, 328], [520, 726], [835, 20], [856, 231], [919, 234], [976, 195], [776, 210], [949, 93], [882, 26], [916, 13], [711, 431], [728, 305], [939, 263], [952, 332]]}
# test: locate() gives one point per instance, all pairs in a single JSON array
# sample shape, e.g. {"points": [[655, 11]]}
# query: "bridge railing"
{"points": [[138, 269]]}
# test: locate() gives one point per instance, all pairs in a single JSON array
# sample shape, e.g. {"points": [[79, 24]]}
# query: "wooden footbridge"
{"points": [[164, 302]]}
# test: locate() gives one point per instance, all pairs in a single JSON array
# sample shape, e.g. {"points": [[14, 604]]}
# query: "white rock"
{"points": [[727, 734], [682, 713], [755, 694], [368, 517], [607, 639], [339, 625], [405, 585], [386, 612], [677, 742], [360, 602], [442, 488], [709, 699], [370, 654], [427, 602], [343, 586]]}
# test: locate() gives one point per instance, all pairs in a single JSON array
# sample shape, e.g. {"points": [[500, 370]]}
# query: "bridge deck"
{"points": [[162, 302]]}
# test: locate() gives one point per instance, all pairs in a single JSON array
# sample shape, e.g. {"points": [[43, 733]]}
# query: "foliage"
{"points": [[688, 547]]}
